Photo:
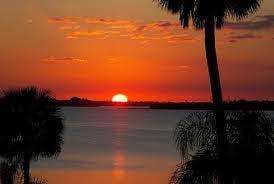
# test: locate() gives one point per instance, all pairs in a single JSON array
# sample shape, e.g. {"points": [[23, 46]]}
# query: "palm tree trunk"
{"points": [[215, 84], [26, 168]]}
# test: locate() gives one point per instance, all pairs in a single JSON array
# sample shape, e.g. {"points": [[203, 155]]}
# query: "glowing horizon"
{"points": [[92, 49]]}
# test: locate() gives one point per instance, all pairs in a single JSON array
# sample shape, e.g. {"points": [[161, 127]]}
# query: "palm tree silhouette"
{"points": [[208, 14], [30, 126], [8, 172], [250, 149]]}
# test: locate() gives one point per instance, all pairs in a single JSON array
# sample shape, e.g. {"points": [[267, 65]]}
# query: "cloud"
{"points": [[234, 37], [178, 38], [62, 20], [169, 38], [178, 68], [262, 22], [29, 21], [134, 26], [262, 66], [95, 33], [65, 59], [70, 27], [159, 26], [65, 23], [107, 21], [139, 37], [111, 60], [112, 23], [184, 68], [146, 32], [245, 36], [126, 29]]}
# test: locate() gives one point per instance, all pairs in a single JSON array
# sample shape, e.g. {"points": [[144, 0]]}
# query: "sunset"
{"points": [[119, 98], [94, 48], [139, 91]]}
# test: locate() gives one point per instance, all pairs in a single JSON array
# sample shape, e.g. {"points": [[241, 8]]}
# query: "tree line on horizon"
{"points": [[235, 104]]}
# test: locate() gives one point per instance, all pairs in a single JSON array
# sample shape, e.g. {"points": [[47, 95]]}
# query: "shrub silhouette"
{"points": [[8, 172], [250, 149], [31, 126]]}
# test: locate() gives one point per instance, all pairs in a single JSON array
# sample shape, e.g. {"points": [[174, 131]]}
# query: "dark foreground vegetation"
{"points": [[31, 127], [250, 149]]}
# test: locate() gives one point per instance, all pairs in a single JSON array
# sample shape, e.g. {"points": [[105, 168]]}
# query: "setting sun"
{"points": [[119, 98]]}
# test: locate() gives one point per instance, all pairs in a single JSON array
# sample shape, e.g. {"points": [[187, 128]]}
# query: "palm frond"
{"points": [[30, 122], [199, 10], [250, 149]]}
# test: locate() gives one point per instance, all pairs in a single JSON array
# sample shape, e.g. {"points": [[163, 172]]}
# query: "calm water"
{"points": [[114, 145]]}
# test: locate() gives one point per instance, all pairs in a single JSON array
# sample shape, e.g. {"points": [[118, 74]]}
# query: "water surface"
{"points": [[105, 145]]}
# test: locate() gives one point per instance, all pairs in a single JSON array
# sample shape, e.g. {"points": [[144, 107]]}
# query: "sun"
{"points": [[119, 98]]}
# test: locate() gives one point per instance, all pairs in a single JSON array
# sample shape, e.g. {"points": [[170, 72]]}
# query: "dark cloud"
{"points": [[263, 22], [159, 25], [234, 38], [263, 67], [107, 21], [232, 41], [62, 20]]}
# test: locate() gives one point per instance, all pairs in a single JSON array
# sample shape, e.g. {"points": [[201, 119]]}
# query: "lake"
{"points": [[114, 145]]}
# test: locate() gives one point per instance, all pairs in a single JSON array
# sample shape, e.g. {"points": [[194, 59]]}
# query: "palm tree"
{"points": [[250, 149], [8, 172], [30, 126], [208, 14]]}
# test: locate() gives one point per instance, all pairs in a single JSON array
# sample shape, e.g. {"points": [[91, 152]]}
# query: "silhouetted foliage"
{"points": [[199, 10], [8, 172], [38, 180], [250, 149], [209, 14], [31, 126]]}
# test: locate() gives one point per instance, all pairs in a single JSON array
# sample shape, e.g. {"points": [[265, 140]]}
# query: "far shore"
{"points": [[232, 105]]}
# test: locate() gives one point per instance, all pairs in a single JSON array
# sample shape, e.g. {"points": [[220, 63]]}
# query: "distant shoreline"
{"points": [[232, 105]]}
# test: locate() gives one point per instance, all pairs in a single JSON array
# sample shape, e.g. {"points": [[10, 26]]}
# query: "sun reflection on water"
{"points": [[118, 166], [118, 160]]}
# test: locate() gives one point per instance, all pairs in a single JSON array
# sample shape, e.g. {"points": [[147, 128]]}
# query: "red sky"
{"points": [[95, 49]]}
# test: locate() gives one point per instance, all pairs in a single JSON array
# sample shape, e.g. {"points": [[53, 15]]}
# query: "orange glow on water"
{"points": [[119, 164]]}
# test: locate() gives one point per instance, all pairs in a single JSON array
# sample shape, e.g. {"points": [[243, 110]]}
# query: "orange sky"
{"points": [[95, 49]]}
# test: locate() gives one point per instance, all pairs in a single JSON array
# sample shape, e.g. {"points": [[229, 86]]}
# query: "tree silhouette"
{"points": [[30, 126], [8, 172], [250, 149], [208, 14]]}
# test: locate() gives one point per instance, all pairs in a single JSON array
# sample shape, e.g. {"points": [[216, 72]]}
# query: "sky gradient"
{"points": [[97, 48]]}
